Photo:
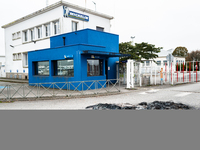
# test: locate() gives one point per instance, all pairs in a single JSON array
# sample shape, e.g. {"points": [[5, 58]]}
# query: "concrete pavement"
{"points": [[186, 93]]}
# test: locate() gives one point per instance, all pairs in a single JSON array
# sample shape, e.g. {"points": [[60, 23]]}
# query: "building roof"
{"points": [[163, 53], [53, 6]]}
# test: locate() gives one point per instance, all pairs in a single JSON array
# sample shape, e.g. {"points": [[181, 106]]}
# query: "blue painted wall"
{"points": [[75, 44]]}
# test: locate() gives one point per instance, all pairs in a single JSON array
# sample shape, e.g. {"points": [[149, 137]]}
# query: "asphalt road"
{"points": [[186, 93]]}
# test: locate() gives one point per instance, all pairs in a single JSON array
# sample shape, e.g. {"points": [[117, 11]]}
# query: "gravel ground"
{"points": [[188, 94]]}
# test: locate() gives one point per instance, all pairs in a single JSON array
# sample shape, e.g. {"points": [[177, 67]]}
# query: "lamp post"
{"points": [[132, 37], [94, 4]]}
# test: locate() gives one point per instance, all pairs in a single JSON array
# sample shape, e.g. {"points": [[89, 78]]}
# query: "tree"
{"points": [[193, 55], [139, 51], [180, 51]]}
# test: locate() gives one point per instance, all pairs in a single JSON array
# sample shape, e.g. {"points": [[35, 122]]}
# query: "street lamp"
{"points": [[132, 37], [94, 4]]}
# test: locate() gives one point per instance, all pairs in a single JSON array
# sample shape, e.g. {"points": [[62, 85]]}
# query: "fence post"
{"points": [[151, 81], [155, 76], [189, 71], [8, 90], [82, 87], [140, 74], [193, 70], [186, 72], [128, 74], [23, 92], [119, 84], [183, 72], [196, 71]]}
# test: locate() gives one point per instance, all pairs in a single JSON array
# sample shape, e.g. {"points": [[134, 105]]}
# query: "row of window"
{"points": [[16, 35], [42, 31], [159, 62], [18, 56], [45, 30], [66, 68]]}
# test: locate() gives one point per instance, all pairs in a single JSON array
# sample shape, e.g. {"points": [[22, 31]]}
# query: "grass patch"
{"points": [[6, 101]]}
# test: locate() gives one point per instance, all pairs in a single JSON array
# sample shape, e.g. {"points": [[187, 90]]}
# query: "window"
{"points": [[32, 34], [39, 32], [64, 68], [147, 63], [25, 36], [42, 68], [25, 59], [99, 29], [19, 56], [47, 30], [164, 62], [14, 56], [159, 63], [56, 27], [94, 67], [14, 36], [18, 34], [74, 26]]}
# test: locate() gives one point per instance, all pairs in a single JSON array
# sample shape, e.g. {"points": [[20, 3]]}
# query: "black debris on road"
{"points": [[156, 105]]}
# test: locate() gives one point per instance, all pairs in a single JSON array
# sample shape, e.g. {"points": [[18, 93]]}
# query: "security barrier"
{"points": [[172, 73], [59, 89]]}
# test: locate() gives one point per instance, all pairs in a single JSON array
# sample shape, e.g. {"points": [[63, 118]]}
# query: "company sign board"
{"points": [[72, 14]]}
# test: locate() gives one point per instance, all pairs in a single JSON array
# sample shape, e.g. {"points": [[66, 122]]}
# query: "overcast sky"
{"points": [[164, 23]]}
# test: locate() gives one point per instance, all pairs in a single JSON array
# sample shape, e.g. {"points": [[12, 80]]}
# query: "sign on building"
{"points": [[71, 14]]}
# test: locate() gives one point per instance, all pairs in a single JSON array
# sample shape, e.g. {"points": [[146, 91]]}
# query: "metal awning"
{"points": [[103, 53]]}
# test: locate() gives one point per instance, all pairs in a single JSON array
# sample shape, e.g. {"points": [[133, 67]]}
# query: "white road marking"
{"points": [[143, 93], [150, 91], [183, 94]]}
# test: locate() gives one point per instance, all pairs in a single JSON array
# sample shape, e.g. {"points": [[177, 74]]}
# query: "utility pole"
{"points": [[47, 3], [133, 37], [95, 5]]}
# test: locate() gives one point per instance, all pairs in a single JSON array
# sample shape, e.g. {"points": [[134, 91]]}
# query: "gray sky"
{"points": [[164, 23]]}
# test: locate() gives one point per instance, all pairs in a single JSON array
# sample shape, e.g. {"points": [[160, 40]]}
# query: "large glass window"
{"points": [[43, 68], [94, 67], [65, 68]]}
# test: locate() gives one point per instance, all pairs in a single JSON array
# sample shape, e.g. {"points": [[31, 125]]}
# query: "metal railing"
{"points": [[59, 89]]}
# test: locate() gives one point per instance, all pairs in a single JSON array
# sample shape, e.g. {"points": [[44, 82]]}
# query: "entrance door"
{"points": [[106, 69]]}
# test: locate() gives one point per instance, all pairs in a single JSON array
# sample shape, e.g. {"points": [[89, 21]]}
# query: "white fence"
{"points": [[151, 75]]}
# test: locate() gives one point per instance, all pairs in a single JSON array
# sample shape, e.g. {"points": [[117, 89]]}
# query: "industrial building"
{"points": [[34, 32], [84, 55]]}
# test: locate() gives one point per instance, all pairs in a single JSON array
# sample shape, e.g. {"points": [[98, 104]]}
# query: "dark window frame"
{"points": [[36, 68], [101, 64], [99, 28], [55, 68]]}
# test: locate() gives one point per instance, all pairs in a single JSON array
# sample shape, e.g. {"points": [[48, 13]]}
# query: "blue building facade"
{"points": [[84, 55]]}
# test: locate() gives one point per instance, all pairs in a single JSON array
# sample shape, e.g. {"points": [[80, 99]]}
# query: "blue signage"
{"points": [[71, 14]]}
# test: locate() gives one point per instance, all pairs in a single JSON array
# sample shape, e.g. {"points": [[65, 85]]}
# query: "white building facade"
{"points": [[161, 61], [33, 32], [2, 66]]}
